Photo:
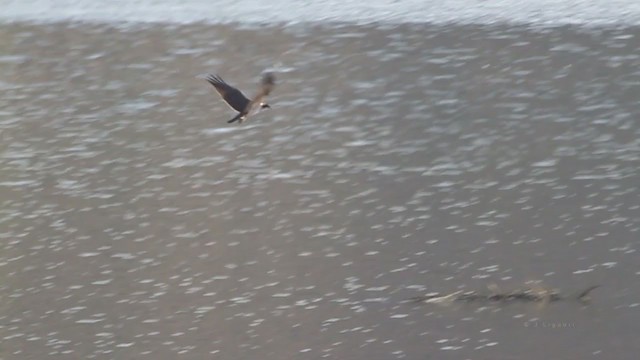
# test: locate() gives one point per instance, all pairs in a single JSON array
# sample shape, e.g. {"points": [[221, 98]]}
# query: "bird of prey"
{"points": [[238, 101]]}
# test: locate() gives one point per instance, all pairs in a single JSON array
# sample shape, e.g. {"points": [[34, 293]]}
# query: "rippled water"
{"points": [[540, 12], [397, 160]]}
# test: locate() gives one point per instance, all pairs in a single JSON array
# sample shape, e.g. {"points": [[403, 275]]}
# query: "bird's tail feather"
{"points": [[236, 118]]}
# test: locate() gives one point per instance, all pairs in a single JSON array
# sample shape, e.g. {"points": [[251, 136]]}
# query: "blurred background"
{"points": [[412, 147]]}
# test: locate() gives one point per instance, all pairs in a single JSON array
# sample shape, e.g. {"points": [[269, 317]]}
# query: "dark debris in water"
{"points": [[529, 294]]}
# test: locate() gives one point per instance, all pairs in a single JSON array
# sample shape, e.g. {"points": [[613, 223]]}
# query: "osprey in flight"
{"points": [[238, 101]]}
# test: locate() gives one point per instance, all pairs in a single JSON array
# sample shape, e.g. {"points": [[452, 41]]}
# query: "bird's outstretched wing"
{"points": [[267, 84], [231, 95]]}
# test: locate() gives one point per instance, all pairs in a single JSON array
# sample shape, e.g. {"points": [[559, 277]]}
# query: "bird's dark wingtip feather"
{"points": [[214, 79]]}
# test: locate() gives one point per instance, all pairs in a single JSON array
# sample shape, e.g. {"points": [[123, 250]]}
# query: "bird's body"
{"points": [[236, 99]]}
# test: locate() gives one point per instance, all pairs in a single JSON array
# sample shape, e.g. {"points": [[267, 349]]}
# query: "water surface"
{"points": [[397, 160]]}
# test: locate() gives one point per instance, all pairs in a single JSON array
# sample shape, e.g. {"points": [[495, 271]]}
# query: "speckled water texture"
{"points": [[397, 160]]}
